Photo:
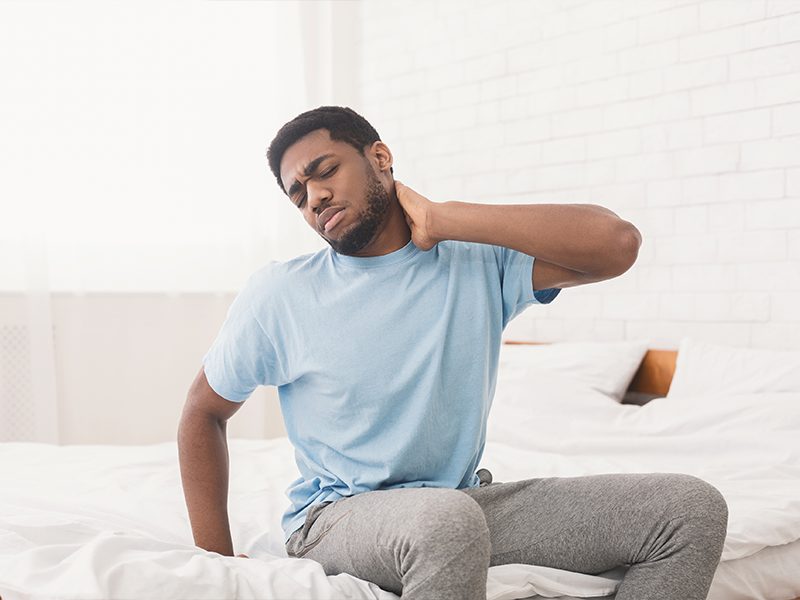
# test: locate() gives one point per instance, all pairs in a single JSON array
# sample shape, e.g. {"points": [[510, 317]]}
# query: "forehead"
{"points": [[306, 149]]}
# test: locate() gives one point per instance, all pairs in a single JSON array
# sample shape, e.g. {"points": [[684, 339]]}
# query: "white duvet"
{"points": [[94, 522]]}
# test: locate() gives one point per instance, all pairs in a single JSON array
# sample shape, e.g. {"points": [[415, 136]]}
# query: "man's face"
{"points": [[342, 189]]}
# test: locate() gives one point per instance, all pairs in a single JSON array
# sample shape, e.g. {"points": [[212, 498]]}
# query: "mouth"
{"points": [[329, 218]]}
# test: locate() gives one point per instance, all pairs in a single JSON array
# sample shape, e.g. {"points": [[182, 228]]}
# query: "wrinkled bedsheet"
{"points": [[95, 522]]}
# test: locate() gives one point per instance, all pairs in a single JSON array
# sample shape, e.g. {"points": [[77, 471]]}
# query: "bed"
{"points": [[95, 522]]}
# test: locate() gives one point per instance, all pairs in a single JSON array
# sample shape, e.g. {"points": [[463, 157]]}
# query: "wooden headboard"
{"points": [[653, 376]]}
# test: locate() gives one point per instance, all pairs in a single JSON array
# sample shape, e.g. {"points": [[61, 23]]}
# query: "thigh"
{"points": [[380, 535], [588, 524]]}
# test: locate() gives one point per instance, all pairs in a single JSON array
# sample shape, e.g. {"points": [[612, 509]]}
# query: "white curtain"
{"points": [[132, 149], [28, 397]]}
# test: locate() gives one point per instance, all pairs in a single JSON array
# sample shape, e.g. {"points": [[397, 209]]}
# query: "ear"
{"points": [[381, 155]]}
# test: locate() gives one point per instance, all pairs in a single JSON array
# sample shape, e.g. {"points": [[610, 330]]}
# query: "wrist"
{"points": [[440, 220]]}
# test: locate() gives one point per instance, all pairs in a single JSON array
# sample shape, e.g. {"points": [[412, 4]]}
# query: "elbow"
{"points": [[630, 240]]}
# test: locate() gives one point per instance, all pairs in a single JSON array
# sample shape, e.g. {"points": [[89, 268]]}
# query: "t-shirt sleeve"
{"points": [[242, 356], [516, 277]]}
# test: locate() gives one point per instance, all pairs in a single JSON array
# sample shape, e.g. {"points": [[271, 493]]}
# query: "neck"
{"points": [[394, 235]]}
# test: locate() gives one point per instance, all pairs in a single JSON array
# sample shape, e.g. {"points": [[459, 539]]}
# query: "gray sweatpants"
{"points": [[438, 543]]}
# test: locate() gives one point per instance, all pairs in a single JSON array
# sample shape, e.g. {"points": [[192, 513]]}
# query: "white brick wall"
{"points": [[683, 116]]}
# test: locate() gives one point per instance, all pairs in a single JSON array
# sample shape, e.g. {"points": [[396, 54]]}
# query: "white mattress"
{"points": [[95, 522], [769, 573]]}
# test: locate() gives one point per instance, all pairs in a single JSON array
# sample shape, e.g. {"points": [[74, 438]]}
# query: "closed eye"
{"points": [[327, 173]]}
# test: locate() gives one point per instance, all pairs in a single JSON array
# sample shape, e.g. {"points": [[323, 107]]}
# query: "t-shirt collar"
{"points": [[376, 261]]}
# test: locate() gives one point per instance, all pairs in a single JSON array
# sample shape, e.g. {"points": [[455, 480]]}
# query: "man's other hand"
{"points": [[419, 216]]}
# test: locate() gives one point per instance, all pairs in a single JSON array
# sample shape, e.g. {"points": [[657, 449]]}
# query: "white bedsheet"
{"points": [[769, 573], [110, 522], [747, 445]]}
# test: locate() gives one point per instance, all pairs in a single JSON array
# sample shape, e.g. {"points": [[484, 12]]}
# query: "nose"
{"points": [[318, 196]]}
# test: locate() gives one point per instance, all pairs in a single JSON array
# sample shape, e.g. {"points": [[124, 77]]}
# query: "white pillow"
{"points": [[705, 368], [606, 367], [537, 385]]}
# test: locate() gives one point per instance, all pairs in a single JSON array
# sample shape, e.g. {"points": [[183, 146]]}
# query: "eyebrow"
{"points": [[312, 166]]}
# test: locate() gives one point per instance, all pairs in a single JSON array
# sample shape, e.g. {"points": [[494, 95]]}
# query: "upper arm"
{"points": [[202, 400], [548, 275]]}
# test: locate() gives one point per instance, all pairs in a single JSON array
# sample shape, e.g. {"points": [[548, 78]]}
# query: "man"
{"points": [[384, 349]]}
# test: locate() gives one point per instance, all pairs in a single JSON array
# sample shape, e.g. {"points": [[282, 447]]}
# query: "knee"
{"points": [[702, 507], [450, 510], [451, 519], [700, 499]]}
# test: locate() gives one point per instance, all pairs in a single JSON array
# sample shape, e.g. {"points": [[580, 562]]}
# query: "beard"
{"points": [[368, 221]]}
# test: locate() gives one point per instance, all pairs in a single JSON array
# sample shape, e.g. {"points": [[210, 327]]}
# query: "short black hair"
{"points": [[343, 124]]}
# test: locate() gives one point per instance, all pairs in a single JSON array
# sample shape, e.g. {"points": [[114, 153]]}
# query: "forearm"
{"points": [[203, 456], [582, 237]]}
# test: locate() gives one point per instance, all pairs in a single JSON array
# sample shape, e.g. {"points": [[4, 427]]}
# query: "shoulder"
{"points": [[458, 247], [473, 251], [276, 272]]}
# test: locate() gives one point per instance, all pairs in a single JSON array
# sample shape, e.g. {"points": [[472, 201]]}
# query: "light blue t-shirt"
{"points": [[385, 365]]}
